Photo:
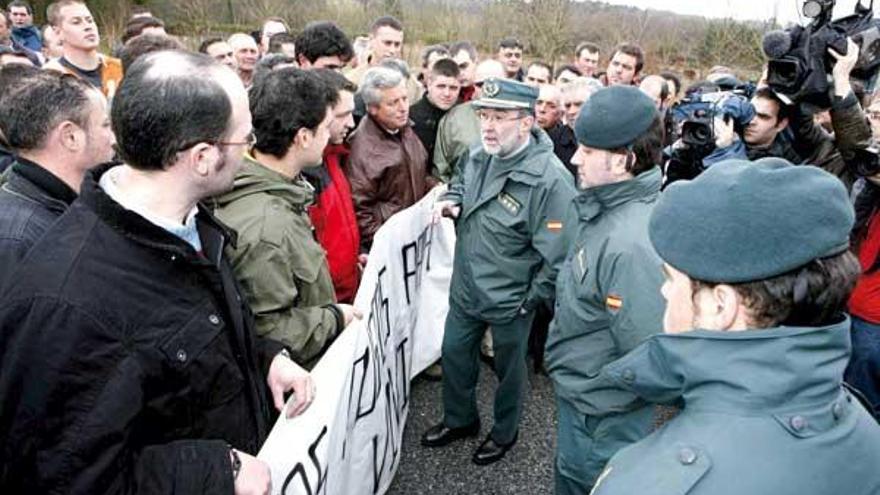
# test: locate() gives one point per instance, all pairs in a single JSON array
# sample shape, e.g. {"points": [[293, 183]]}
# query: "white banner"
{"points": [[348, 442]]}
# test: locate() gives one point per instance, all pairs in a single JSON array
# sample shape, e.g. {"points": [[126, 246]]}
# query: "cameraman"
{"points": [[808, 141]]}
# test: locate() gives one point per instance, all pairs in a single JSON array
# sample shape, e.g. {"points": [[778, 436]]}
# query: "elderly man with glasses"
{"points": [[508, 201]]}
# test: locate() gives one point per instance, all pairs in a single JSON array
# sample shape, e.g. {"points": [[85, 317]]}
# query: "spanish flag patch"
{"points": [[554, 226], [613, 302]]}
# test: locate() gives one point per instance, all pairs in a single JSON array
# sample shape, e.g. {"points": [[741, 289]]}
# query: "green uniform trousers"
{"points": [[584, 444], [461, 348]]}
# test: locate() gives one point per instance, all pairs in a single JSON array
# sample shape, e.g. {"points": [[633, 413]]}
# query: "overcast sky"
{"points": [[787, 10]]}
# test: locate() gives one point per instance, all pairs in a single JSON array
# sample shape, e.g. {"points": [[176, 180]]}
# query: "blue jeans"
{"points": [[863, 371]]}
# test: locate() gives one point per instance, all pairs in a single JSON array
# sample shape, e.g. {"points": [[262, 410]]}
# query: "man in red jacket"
{"points": [[333, 212]]}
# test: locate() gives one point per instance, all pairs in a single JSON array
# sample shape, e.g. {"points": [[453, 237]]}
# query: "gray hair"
{"points": [[376, 80], [590, 84]]}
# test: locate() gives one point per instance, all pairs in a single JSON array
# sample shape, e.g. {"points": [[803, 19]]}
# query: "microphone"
{"points": [[777, 44]]}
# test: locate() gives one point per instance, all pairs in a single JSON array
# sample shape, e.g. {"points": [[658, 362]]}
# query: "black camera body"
{"points": [[696, 113], [800, 65], [695, 116], [866, 161]]}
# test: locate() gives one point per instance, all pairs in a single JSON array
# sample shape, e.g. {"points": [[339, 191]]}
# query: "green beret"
{"points": [[506, 94], [742, 221], [614, 117]]}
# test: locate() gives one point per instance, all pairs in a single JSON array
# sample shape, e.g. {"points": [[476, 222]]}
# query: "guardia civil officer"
{"points": [[758, 273], [608, 290], [510, 199]]}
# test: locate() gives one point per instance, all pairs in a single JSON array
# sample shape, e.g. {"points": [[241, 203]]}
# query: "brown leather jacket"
{"points": [[388, 173]]}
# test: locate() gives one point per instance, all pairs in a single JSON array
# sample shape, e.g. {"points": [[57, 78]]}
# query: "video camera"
{"points": [[800, 64], [696, 113], [694, 116]]}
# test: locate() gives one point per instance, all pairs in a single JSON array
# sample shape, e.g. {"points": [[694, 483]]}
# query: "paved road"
{"points": [[527, 468]]}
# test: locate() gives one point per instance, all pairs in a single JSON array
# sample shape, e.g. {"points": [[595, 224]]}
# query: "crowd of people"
{"points": [[182, 235]]}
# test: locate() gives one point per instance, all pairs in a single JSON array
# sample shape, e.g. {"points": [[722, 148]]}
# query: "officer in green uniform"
{"points": [[509, 201], [758, 273], [608, 291]]}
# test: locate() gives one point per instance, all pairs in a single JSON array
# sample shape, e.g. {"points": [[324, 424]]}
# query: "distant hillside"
{"points": [[549, 28]]}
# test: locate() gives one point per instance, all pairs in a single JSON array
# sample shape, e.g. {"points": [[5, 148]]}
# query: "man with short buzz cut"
{"points": [[459, 130], [80, 39], [246, 54], [280, 265], [608, 290], [538, 73], [66, 133], [625, 66], [332, 213], [389, 165], [441, 95], [586, 58], [323, 45], [756, 339], [464, 55], [219, 50], [23, 30], [509, 200], [123, 375], [510, 54], [385, 43]]}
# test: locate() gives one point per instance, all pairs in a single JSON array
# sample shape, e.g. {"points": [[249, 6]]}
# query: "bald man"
{"points": [[657, 88]]}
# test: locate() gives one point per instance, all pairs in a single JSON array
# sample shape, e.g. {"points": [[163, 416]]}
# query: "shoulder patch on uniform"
{"points": [[554, 226]]}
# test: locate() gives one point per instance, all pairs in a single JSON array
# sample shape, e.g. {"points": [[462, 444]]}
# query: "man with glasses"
{"points": [[509, 201], [459, 130], [124, 323]]}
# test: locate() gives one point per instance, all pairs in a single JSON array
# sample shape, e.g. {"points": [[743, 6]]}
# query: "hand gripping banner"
{"points": [[348, 441]]}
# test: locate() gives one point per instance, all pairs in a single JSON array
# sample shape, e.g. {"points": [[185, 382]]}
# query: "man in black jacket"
{"points": [[441, 95], [66, 132], [129, 362]]}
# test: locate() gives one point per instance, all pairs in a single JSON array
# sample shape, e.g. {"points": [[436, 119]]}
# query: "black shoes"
{"points": [[440, 434], [491, 451]]}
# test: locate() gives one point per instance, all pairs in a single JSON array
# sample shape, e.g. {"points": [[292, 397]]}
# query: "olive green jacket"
{"points": [[509, 243], [457, 133], [281, 267], [608, 290], [765, 413]]}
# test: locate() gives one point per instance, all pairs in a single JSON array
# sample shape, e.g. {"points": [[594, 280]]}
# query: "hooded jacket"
{"points": [[279, 263], [765, 413], [509, 244]]}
